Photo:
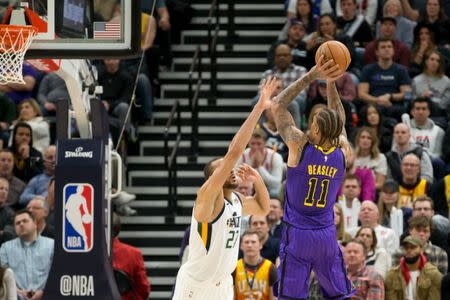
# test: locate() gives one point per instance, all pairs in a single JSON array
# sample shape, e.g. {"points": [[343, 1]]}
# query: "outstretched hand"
{"points": [[268, 89], [328, 70], [247, 173]]}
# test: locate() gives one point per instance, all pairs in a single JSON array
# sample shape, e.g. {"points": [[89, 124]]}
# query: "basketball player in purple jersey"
{"points": [[316, 169]]}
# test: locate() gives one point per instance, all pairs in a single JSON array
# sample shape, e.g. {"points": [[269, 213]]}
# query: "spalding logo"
{"points": [[78, 153]]}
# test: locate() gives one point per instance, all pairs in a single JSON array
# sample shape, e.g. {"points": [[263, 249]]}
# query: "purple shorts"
{"points": [[306, 250]]}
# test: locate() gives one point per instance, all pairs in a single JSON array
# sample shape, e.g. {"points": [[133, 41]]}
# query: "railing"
{"points": [[193, 101], [170, 161], [213, 34]]}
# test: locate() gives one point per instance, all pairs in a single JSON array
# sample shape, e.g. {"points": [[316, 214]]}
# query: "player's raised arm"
{"points": [[259, 204], [212, 188]]}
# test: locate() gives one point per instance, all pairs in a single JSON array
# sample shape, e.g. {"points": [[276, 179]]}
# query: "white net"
{"points": [[14, 42]]}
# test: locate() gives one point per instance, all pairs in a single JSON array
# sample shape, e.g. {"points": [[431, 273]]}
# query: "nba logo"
{"points": [[78, 218]]}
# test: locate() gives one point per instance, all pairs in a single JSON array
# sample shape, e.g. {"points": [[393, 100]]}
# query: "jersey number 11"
{"points": [[310, 198]]}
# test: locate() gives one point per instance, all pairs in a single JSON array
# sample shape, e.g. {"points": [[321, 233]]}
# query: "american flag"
{"points": [[107, 30]]}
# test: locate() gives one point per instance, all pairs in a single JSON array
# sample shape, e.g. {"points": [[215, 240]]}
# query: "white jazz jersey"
{"points": [[214, 247]]}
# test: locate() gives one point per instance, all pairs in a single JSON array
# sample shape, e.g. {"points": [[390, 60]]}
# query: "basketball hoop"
{"points": [[14, 43]]}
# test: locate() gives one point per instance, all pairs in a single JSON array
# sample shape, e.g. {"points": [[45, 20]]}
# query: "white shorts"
{"points": [[187, 288]]}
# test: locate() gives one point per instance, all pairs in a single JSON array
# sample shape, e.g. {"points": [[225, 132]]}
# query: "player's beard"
{"points": [[230, 185]]}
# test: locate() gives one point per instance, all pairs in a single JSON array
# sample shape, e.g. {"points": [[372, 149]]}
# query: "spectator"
{"points": [[27, 159], [117, 90], [29, 256], [38, 184], [129, 259], [275, 217], [376, 257], [18, 91], [285, 70], [392, 216], [411, 185], [424, 42], [388, 28], [349, 201], [369, 216], [267, 162], [423, 206], [16, 186], [403, 146], [7, 116], [303, 11], [6, 214], [385, 82], [51, 89], [274, 140], [368, 155], [353, 23], [434, 84], [371, 117], [254, 276], [51, 202], [341, 235], [368, 9], [367, 281], [405, 27], [38, 207], [420, 227], [30, 113], [365, 176], [246, 189], [295, 34], [414, 278], [271, 245], [426, 133], [434, 15]]}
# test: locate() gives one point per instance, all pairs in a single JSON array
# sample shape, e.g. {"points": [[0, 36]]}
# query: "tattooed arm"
{"points": [[334, 102]]}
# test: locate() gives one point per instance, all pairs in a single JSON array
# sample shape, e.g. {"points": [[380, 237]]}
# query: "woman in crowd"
{"points": [[305, 14], [376, 257], [368, 155], [433, 83], [30, 113], [424, 42], [372, 118], [341, 236]]}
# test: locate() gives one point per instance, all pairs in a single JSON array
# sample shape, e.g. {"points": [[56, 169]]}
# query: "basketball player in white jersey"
{"points": [[216, 218]]}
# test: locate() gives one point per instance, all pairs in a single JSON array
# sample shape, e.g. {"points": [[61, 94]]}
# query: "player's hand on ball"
{"points": [[328, 70], [247, 173], [86, 218], [268, 88]]}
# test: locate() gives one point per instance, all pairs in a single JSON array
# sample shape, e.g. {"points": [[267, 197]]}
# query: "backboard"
{"points": [[78, 28]]}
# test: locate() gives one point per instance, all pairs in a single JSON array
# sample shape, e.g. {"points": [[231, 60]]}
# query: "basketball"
{"points": [[337, 51]]}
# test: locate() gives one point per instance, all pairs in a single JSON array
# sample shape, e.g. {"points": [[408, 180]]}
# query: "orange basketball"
{"points": [[337, 51]]}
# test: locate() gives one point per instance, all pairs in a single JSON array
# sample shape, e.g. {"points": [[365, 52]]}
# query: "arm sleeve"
{"points": [[140, 280], [273, 275], [376, 287], [28, 193], [10, 284], [426, 168]]}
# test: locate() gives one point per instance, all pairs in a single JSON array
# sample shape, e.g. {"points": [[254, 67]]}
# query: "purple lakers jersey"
{"points": [[312, 187]]}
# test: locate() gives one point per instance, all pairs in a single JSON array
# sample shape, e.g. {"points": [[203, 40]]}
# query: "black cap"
{"points": [[388, 18], [390, 186]]}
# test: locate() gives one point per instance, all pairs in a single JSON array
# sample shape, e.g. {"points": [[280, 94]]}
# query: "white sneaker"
{"points": [[123, 198]]}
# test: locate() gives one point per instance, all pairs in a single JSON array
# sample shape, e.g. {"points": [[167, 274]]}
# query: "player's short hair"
{"points": [[24, 211], [359, 242], [330, 125], [419, 222], [251, 232], [423, 198], [208, 169]]}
